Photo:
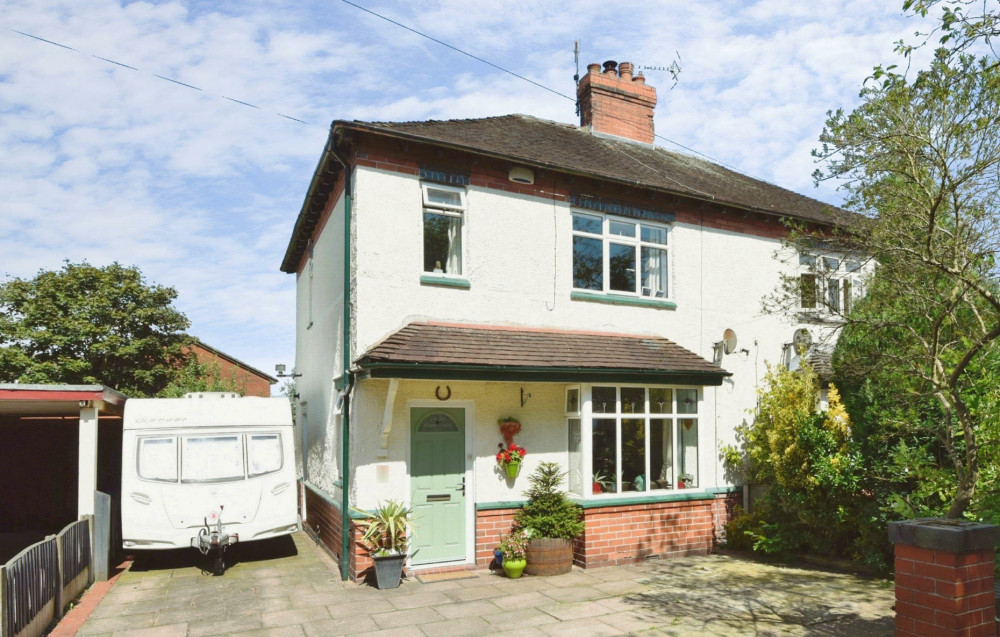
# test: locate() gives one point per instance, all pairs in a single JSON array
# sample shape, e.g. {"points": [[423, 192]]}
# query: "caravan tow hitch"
{"points": [[216, 540]]}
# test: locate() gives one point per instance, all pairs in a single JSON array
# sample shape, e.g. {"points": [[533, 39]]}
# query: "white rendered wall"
{"points": [[318, 351], [518, 259]]}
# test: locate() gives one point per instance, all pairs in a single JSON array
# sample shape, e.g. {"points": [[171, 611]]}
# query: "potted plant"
{"points": [[685, 480], [602, 484], [513, 546], [387, 540], [510, 459], [551, 521]]}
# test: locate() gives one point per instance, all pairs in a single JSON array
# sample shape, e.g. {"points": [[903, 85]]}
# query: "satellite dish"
{"points": [[802, 339], [729, 341]]}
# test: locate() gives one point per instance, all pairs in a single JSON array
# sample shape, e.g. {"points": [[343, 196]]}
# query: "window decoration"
{"points": [[620, 256], [444, 209]]}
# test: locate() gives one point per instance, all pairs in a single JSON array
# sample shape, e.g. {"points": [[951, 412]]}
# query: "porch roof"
{"points": [[451, 351], [58, 400]]}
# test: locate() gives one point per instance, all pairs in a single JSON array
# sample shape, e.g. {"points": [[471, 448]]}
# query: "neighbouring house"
{"points": [[253, 381], [602, 290]]}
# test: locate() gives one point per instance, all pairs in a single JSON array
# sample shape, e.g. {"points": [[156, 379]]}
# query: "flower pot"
{"points": [[549, 556], [513, 568], [513, 468], [498, 557], [597, 488], [388, 570]]}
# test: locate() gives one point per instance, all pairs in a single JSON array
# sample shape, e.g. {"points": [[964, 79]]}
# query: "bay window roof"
{"points": [[489, 352]]}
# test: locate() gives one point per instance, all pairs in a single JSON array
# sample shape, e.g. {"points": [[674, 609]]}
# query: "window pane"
{"points": [[852, 266], [654, 272], [807, 291], [588, 263], [575, 477], [687, 401], [830, 263], [622, 264], [687, 438], [633, 400], [573, 400], [654, 235], [661, 400], [621, 228], [661, 453], [833, 294], [442, 243], [633, 454], [587, 223], [158, 459], [604, 400], [265, 453], [445, 197], [603, 457], [211, 458], [807, 259], [847, 295]]}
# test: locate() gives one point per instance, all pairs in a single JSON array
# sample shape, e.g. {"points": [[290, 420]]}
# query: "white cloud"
{"points": [[105, 163]]}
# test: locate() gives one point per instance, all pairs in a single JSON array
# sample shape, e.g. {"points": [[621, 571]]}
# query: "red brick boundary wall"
{"points": [[944, 578]]}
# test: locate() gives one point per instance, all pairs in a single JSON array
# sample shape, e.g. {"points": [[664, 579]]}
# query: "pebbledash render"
{"points": [[601, 290]]}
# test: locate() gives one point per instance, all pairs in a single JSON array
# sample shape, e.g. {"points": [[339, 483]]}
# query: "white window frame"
{"points": [[587, 417], [447, 210], [607, 238], [831, 272]]}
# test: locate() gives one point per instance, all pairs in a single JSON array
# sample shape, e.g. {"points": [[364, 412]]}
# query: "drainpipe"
{"points": [[345, 419]]}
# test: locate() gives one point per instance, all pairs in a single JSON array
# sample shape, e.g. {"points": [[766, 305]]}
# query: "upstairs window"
{"points": [[444, 212], [831, 283], [620, 256]]}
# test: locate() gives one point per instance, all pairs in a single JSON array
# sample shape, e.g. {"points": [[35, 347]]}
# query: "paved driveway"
{"points": [[293, 588]]}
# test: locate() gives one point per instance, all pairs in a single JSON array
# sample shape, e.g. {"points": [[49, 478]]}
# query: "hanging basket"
{"points": [[513, 468]]}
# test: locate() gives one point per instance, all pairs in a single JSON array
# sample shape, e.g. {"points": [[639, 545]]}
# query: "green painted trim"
{"points": [[345, 420], [621, 299], [527, 373], [645, 499], [722, 490], [321, 493], [443, 281], [495, 506]]}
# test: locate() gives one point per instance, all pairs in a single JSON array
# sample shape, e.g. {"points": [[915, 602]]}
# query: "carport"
{"points": [[62, 444]]}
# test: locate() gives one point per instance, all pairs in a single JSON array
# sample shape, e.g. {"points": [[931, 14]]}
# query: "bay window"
{"points": [[635, 440], [619, 255]]}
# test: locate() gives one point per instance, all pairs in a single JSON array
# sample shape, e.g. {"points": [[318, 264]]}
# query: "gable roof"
{"points": [[468, 352], [573, 150]]}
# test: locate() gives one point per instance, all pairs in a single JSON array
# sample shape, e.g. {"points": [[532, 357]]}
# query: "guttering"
{"points": [[540, 374], [346, 379]]}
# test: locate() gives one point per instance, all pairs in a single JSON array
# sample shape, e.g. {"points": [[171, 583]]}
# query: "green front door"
{"points": [[437, 461]]}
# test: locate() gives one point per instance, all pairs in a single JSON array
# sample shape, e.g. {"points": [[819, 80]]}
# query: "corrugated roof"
{"points": [[444, 345]]}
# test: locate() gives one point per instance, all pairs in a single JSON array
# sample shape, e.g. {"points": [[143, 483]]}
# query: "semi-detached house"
{"points": [[578, 278]]}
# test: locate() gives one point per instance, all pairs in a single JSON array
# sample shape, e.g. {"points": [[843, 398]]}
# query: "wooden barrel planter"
{"points": [[549, 556]]}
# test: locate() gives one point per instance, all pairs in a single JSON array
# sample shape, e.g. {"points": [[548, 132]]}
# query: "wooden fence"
{"points": [[37, 583]]}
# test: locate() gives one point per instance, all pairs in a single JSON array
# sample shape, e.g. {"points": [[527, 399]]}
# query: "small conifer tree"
{"points": [[548, 512]]}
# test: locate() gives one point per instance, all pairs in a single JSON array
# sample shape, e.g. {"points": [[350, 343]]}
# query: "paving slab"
{"points": [[292, 587]]}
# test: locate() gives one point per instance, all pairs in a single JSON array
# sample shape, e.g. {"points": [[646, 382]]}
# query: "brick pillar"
{"points": [[944, 578]]}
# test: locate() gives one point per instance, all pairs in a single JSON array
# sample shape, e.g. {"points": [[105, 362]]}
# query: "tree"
{"points": [[195, 376], [963, 24], [84, 324], [921, 157]]}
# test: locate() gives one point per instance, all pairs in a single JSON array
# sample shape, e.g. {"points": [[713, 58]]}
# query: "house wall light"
{"points": [[280, 372]]}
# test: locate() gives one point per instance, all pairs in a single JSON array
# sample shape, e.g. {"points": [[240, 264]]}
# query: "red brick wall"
{"points": [[630, 533], [325, 521], [253, 384], [620, 105], [944, 593]]}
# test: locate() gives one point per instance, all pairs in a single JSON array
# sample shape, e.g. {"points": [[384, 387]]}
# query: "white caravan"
{"points": [[206, 471]]}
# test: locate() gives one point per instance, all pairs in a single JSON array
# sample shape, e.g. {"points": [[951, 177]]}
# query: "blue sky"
{"points": [[104, 163]]}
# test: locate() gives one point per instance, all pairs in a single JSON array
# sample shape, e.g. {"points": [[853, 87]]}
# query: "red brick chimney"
{"points": [[615, 102]]}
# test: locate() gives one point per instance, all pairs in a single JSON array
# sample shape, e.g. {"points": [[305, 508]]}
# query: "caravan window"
{"points": [[264, 453], [158, 459], [211, 458]]}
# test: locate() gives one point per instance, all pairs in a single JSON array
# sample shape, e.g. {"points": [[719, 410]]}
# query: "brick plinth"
{"points": [[325, 522], [944, 578]]}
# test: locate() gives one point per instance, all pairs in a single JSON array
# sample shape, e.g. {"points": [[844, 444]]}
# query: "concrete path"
{"points": [[293, 588]]}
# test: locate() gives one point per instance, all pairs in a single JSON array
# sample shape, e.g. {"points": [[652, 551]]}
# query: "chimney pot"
{"points": [[639, 78], [625, 70], [609, 67], [593, 68]]}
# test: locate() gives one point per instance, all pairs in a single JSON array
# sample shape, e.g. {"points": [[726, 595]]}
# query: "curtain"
{"points": [[454, 246]]}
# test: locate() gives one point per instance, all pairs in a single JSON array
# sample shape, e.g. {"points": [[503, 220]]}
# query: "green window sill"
{"points": [[621, 299], [445, 281]]}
